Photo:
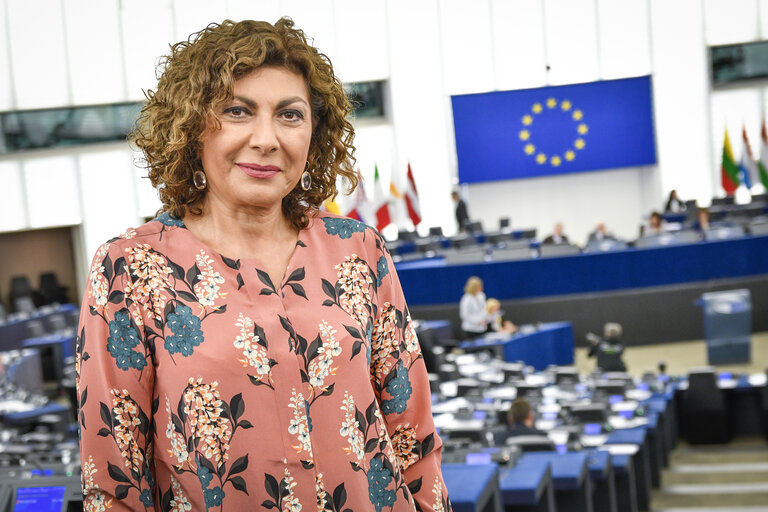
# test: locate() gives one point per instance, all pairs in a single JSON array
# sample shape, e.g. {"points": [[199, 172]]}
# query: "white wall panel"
{"points": [[6, 90], [762, 7], [467, 52], [38, 53], [579, 201], [681, 99], [94, 51], [571, 37], [192, 16], [623, 38], [518, 44], [421, 113], [263, 10], [361, 41], [147, 199], [13, 207], [726, 21], [109, 201], [316, 19], [52, 193], [145, 40]]}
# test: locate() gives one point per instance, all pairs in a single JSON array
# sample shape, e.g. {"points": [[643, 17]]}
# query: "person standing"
{"points": [[462, 215], [474, 318]]}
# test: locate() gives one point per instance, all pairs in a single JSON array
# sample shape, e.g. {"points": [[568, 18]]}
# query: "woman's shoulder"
{"points": [[148, 234], [341, 227]]}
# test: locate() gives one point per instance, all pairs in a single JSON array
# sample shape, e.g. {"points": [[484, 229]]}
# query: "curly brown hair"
{"points": [[200, 73]]}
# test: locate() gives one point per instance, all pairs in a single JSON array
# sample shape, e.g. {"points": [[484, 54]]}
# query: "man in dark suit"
{"points": [[520, 420], [462, 216], [557, 236]]}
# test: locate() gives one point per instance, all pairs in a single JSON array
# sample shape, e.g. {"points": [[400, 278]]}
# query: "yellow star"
{"points": [[577, 115], [536, 108], [583, 129], [530, 149], [525, 135], [570, 155], [541, 158], [551, 103], [555, 160], [579, 144], [527, 120], [565, 105]]}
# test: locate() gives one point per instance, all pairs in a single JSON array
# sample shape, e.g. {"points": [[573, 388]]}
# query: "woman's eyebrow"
{"points": [[288, 101]]}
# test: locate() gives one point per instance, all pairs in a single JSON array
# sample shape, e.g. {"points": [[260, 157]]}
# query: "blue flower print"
{"points": [[309, 418], [150, 479], [167, 219], [382, 269], [400, 389], [186, 331], [343, 227], [204, 475], [379, 478], [146, 498], [213, 497], [369, 337], [122, 338]]}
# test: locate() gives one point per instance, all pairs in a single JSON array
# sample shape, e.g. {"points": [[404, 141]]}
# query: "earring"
{"points": [[306, 181], [198, 180]]}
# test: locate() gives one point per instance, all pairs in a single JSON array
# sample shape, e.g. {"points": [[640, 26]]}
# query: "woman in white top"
{"points": [[474, 319]]}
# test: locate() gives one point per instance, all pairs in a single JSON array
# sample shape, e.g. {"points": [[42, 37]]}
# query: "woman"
{"points": [[244, 349], [496, 323], [474, 320]]}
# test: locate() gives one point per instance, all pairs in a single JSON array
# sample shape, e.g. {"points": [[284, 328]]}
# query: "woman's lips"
{"points": [[259, 171]]}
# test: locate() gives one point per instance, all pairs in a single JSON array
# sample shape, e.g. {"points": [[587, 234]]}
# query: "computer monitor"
{"points": [[610, 388], [566, 376], [588, 413], [39, 497]]}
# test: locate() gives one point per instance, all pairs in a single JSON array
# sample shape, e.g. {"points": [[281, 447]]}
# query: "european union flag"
{"points": [[554, 130]]}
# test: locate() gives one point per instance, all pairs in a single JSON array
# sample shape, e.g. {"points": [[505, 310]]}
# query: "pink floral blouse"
{"points": [[203, 385]]}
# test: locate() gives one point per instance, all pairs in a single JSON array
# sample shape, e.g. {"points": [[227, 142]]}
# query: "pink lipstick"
{"points": [[259, 171]]}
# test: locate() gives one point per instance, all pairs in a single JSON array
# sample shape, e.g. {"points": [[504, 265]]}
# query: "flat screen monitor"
{"points": [[39, 499]]}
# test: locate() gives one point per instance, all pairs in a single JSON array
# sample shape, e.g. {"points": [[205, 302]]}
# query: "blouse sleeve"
{"points": [[400, 380], [115, 377]]}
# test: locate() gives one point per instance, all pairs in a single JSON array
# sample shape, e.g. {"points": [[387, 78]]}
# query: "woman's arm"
{"points": [[115, 375]]}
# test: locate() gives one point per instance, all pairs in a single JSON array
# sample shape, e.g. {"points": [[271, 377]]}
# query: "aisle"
{"points": [[715, 478]]}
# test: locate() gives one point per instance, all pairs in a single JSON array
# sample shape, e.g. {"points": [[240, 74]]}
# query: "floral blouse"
{"points": [[203, 384]]}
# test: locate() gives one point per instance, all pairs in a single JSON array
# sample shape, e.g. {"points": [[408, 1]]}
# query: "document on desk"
{"points": [[619, 422], [620, 449]]}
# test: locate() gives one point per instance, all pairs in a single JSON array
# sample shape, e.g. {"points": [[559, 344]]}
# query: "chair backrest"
{"points": [[702, 393], [436, 231], [474, 227], [407, 236], [504, 222], [23, 304]]}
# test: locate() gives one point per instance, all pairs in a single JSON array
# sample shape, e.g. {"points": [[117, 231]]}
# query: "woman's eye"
{"points": [[292, 115], [236, 111]]}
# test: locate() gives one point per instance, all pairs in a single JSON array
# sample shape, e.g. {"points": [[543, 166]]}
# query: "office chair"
{"points": [[406, 235], [704, 409], [463, 240], [50, 290], [504, 223], [20, 289], [436, 231], [474, 227]]}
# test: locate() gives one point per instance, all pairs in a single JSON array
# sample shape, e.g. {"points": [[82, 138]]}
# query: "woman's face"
{"points": [[259, 154]]}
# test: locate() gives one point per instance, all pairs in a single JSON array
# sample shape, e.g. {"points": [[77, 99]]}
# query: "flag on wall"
{"points": [[729, 171], [747, 165], [412, 199], [762, 164], [380, 202]]}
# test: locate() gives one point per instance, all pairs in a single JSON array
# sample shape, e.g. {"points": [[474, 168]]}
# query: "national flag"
{"points": [[762, 164], [331, 206], [729, 171], [749, 173], [380, 203], [361, 208], [412, 199]]}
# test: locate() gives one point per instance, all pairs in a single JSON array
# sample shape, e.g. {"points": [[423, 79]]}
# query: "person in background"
{"points": [[702, 220], [655, 225], [495, 321], [520, 419], [462, 215], [600, 233], [608, 349], [557, 236], [674, 204], [244, 349], [474, 319]]}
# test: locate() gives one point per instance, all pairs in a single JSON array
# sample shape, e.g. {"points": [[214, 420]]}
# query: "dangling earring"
{"points": [[199, 180], [306, 181]]}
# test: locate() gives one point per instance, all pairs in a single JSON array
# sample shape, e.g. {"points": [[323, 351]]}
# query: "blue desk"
{"points": [[434, 282], [12, 334], [527, 487], [21, 418], [570, 478], [551, 343], [641, 461], [473, 487], [67, 343], [603, 480]]}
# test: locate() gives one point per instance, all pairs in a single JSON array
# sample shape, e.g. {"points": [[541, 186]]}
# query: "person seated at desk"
{"points": [[702, 220], [557, 236], [520, 420], [495, 321], [474, 319], [674, 204], [599, 234], [655, 225], [608, 349]]}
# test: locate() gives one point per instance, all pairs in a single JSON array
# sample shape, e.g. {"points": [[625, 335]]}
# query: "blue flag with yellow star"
{"points": [[554, 130]]}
